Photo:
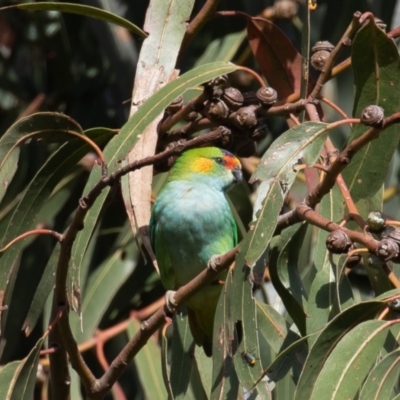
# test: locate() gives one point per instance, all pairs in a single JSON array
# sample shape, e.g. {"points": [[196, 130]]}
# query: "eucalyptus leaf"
{"points": [[80, 9], [375, 61], [148, 366], [383, 378], [328, 339], [181, 359], [347, 366], [276, 173]]}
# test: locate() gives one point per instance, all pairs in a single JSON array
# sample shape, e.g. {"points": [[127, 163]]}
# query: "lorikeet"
{"points": [[192, 221]]}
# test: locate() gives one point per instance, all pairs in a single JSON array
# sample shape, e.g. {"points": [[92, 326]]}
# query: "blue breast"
{"points": [[195, 225]]}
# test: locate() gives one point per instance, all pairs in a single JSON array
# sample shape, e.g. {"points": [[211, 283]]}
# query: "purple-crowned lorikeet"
{"points": [[191, 222]]}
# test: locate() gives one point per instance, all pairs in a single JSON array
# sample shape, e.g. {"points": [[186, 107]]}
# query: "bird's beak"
{"points": [[238, 175]]}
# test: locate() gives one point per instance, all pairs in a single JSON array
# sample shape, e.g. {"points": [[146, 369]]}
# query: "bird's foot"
{"points": [[170, 301], [214, 262]]}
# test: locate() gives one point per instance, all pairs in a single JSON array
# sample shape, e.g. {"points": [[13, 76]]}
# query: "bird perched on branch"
{"points": [[191, 222]]}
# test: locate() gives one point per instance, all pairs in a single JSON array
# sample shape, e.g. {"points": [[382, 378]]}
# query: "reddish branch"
{"points": [[198, 22]]}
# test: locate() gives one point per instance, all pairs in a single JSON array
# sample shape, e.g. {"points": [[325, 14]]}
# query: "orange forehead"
{"points": [[231, 162]]}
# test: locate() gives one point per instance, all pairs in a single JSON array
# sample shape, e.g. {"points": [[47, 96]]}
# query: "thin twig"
{"points": [[325, 74], [24, 235], [205, 14]]}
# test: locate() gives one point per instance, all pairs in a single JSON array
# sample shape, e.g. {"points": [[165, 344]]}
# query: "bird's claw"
{"points": [[170, 301], [213, 262]]}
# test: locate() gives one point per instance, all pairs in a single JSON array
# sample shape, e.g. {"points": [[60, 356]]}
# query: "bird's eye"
{"points": [[220, 160]]}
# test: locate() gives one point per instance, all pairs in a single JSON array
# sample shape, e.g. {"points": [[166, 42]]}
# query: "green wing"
{"points": [[163, 258]]}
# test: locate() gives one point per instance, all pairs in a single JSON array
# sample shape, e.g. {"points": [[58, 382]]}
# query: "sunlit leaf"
{"points": [[383, 378], [348, 364], [328, 340], [277, 171], [87, 11], [375, 61]]}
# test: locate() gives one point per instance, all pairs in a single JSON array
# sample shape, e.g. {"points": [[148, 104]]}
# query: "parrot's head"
{"points": [[211, 165]]}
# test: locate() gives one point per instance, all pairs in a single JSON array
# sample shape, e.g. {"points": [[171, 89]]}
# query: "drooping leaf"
{"points": [[196, 390], [17, 379], [271, 325], [225, 380], [103, 283], [277, 171], [382, 379], [285, 275], [245, 316], [204, 367], [375, 61], [279, 61], [181, 357], [377, 276], [327, 341], [148, 366], [321, 299], [222, 49], [87, 11], [45, 185], [47, 124], [350, 361], [26, 215]]}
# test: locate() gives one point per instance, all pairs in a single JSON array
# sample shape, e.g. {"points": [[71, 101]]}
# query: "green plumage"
{"points": [[192, 221]]}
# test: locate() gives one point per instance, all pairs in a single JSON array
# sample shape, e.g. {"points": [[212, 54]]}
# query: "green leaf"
{"points": [[276, 171], [6, 377], [164, 362], [121, 144], [332, 208], [17, 379], [204, 367], [222, 49], [225, 379], [285, 275], [181, 355], [44, 186], [87, 11], [148, 366], [196, 390], [383, 378], [104, 283], [377, 276], [328, 340], [271, 325], [321, 299], [350, 361], [24, 217], [52, 125], [375, 61]]}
